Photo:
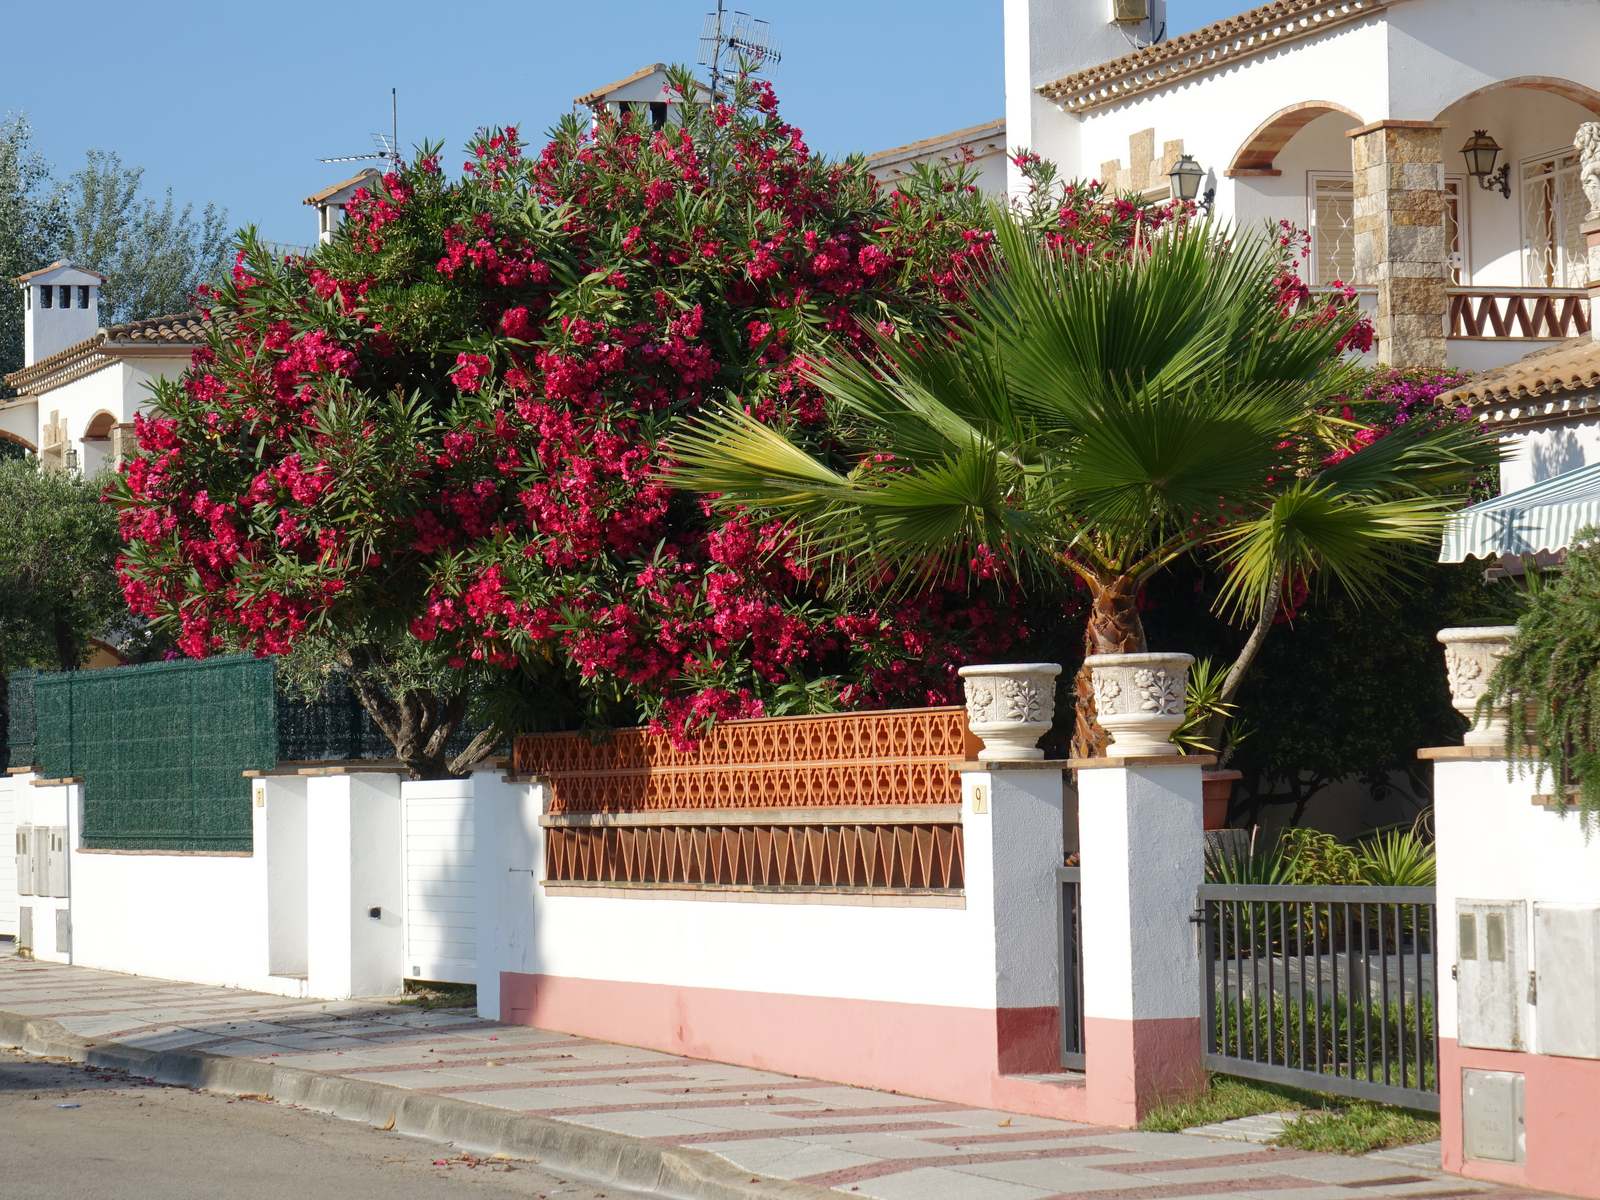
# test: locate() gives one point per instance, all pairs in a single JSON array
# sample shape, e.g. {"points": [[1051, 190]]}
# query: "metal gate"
{"points": [[1333, 989], [1069, 918]]}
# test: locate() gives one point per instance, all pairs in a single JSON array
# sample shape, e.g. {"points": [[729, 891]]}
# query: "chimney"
{"points": [[60, 308], [1048, 39]]}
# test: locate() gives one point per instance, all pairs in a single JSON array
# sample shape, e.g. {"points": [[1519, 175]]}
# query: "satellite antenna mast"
{"points": [[748, 37], [386, 146]]}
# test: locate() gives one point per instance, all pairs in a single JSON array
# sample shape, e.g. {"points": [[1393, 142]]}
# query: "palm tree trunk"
{"points": [[1114, 628]]}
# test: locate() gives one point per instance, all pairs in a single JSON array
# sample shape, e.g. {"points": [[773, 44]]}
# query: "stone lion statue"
{"points": [[1587, 143]]}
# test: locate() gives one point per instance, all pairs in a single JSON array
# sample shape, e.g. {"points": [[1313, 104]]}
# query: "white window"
{"points": [[1457, 227], [1332, 204], [1553, 249]]}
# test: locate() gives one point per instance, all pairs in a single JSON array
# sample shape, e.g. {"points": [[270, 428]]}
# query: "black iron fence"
{"points": [[1328, 988], [1070, 921]]}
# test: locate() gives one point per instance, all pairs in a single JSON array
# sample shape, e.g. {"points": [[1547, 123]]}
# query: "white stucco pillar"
{"points": [[1142, 847], [1011, 826], [354, 891], [1518, 1013]]}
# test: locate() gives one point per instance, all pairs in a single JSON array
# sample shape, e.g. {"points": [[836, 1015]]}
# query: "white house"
{"points": [[1349, 118], [980, 147], [81, 383]]}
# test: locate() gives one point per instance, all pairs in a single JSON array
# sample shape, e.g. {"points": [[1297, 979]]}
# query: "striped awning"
{"points": [[1545, 516]]}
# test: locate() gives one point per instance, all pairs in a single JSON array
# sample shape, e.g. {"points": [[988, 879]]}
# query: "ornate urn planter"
{"points": [[1139, 700], [1010, 706], [1470, 657]]}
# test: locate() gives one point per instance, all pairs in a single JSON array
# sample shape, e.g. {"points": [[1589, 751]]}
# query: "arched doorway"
{"points": [[1259, 153]]}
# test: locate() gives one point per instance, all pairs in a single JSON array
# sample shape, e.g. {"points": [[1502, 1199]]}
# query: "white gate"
{"points": [[440, 901]]}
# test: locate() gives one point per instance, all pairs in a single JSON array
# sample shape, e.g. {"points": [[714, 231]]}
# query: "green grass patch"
{"points": [[1322, 1123], [1228, 1099], [1358, 1128], [422, 994]]}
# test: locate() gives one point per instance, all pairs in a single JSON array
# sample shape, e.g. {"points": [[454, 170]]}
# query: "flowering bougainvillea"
{"points": [[439, 440]]}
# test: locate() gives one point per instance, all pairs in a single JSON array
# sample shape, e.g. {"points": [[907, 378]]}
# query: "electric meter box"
{"points": [[1491, 973]]}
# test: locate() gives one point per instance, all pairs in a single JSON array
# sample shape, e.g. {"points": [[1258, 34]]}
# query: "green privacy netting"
{"points": [[161, 748]]}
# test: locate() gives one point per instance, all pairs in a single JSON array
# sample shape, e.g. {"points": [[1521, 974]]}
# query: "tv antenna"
{"points": [[386, 146], [748, 37]]}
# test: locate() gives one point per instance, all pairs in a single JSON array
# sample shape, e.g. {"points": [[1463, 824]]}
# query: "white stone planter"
{"points": [[1139, 700], [1470, 657], [1011, 706]]}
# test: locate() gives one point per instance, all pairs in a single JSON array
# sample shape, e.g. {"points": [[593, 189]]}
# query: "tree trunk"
{"points": [[1114, 628], [1236, 673], [418, 723]]}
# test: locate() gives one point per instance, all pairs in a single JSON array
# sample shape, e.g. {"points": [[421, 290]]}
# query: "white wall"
{"points": [[1494, 844], [1541, 454], [1527, 124], [121, 388], [197, 917], [915, 955]]}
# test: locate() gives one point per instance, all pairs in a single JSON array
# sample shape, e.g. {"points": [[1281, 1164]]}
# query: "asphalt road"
{"points": [[122, 1139]]}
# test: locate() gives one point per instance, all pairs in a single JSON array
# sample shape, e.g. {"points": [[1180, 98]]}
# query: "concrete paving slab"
{"points": [[621, 1104]]}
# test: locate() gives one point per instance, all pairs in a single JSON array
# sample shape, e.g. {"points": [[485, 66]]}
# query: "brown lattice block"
{"points": [[866, 857]]}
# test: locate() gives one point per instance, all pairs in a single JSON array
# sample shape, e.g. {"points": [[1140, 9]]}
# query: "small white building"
{"points": [[981, 147], [331, 201], [81, 383], [1349, 118], [646, 92]]}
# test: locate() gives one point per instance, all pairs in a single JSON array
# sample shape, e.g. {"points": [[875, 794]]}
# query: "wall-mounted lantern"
{"points": [[1480, 152], [1186, 177], [72, 458]]}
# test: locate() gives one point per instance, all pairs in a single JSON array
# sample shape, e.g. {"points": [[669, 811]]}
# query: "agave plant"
{"points": [[1101, 418]]}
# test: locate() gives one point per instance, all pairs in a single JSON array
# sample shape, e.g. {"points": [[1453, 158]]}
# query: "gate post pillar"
{"points": [[1011, 827], [1142, 846]]}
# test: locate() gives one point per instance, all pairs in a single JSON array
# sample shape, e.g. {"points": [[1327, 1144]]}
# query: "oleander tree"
{"points": [[1097, 417], [429, 457]]}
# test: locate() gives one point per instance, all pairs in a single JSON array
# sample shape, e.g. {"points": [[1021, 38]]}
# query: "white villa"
{"points": [[1350, 118], [81, 384]]}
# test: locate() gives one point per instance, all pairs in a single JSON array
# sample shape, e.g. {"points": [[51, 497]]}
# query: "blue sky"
{"points": [[234, 102]]}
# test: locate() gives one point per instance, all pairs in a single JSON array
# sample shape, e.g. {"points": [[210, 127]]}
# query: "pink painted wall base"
{"points": [[965, 1055], [1134, 1066], [1562, 1153]]}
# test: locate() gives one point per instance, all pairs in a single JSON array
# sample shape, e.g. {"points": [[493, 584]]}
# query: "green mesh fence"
{"points": [[162, 748], [19, 719]]}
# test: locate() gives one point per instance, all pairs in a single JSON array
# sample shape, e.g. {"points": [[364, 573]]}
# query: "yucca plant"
{"points": [[1205, 713], [1397, 857], [1099, 418]]}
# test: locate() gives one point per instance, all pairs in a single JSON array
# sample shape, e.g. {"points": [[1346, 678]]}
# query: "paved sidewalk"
{"points": [[861, 1142]]}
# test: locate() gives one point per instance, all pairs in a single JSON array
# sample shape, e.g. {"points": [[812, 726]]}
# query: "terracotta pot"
{"points": [[1216, 789], [1139, 700], [1010, 706]]}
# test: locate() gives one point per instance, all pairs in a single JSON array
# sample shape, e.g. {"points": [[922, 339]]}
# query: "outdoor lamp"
{"points": [[1187, 176], [1480, 152], [72, 458]]}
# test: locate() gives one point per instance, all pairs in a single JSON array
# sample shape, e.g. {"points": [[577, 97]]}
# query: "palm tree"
{"points": [[1100, 419]]}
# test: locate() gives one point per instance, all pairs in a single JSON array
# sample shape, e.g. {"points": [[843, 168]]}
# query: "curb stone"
{"points": [[598, 1155]]}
